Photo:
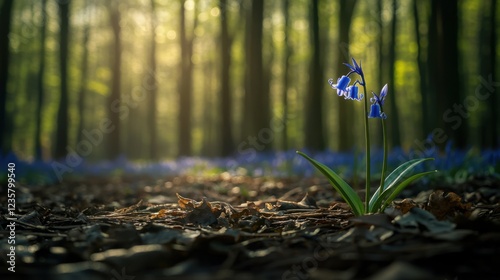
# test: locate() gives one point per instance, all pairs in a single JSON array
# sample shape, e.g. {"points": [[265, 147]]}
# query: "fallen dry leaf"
{"points": [[405, 205], [447, 205]]}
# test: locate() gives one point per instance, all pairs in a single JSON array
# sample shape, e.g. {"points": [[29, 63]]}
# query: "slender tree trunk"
{"points": [[394, 133], [256, 106], [114, 100], [226, 132], [5, 21], [422, 70], [432, 69], [346, 108], [446, 70], [494, 104], [83, 82], [450, 61], [209, 123], [40, 78], [266, 133], [62, 114], [262, 111], [314, 127], [247, 119], [152, 89], [487, 58], [185, 86], [134, 127], [286, 71]]}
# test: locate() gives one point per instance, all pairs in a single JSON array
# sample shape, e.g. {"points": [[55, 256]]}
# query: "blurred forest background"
{"points": [[156, 79]]}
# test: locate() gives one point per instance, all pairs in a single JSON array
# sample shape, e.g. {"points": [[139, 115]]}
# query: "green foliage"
{"points": [[347, 193], [393, 185]]}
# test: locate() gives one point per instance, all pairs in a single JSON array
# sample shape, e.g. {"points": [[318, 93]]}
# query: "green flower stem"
{"points": [[384, 163], [367, 148], [395, 181]]}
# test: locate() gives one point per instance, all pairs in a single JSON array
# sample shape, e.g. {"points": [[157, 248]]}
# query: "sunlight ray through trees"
{"points": [[236, 77]]}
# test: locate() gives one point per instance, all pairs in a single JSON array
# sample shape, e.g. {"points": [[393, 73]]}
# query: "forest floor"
{"points": [[235, 227]]}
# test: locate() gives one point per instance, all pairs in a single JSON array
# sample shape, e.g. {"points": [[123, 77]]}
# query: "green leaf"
{"points": [[401, 187], [347, 193], [392, 180]]}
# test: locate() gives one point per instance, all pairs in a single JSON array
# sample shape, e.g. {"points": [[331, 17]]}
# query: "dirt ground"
{"points": [[225, 227]]}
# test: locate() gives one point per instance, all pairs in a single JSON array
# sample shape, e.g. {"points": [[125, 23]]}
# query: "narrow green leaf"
{"points": [[347, 193], [397, 175], [401, 187]]}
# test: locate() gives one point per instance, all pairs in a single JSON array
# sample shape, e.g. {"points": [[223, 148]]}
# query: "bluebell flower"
{"points": [[341, 85], [381, 97], [376, 110], [383, 93], [352, 93], [355, 68]]}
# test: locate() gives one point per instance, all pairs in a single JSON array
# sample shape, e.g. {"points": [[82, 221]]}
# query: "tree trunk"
{"points": [[185, 86], [446, 79], [256, 108], [40, 78], [83, 82], [5, 18], [226, 133], [247, 118], [432, 69], [314, 128], [262, 111], [487, 58], [346, 107], [114, 100], [62, 114], [208, 121], [394, 134], [422, 71], [286, 71], [152, 89]]}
